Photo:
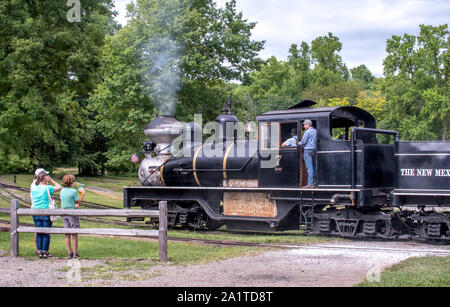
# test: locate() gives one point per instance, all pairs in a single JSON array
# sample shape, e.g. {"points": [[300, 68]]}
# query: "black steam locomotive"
{"points": [[243, 178]]}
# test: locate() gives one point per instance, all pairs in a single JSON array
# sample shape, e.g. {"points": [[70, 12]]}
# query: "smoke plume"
{"points": [[161, 56], [162, 74]]}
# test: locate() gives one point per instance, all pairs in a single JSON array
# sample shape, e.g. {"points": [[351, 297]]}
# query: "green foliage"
{"points": [[362, 74], [315, 72], [47, 69], [197, 98], [329, 65], [270, 87], [120, 105], [80, 93], [323, 93], [417, 83], [373, 102], [171, 57], [217, 42]]}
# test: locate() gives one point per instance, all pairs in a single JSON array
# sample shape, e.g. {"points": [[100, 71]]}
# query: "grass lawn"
{"points": [[429, 271], [91, 247]]}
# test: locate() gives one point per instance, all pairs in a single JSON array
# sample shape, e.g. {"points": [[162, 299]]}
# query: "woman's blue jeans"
{"points": [[42, 239], [310, 156]]}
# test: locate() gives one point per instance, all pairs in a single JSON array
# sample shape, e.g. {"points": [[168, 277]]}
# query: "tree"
{"points": [[275, 85], [362, 73], [372, 102], [218, 42], [120, 104], [315, 72], [342, 89], [47, 69], [329, 66], [172, 58], [417, 83], [299, 64]]}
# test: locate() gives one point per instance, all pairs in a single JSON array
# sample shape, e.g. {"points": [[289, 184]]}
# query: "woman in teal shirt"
{"points": [[40, 194]]}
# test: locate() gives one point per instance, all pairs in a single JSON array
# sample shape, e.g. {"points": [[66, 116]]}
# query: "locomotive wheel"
{"points": [[202, 222], [191, 216], [433, 226], [351, 222]]}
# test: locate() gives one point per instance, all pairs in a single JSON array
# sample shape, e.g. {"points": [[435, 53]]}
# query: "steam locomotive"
{"points": [[243, 178]]}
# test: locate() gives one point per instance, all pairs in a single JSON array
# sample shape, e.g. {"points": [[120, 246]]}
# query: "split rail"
{"points": [[15, 229]]}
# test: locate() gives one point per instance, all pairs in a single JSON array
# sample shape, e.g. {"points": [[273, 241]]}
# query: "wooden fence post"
{"points": [[14, 250], [163, 231]]}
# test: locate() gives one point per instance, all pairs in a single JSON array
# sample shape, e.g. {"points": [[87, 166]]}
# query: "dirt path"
{"points": [[337, 264]]}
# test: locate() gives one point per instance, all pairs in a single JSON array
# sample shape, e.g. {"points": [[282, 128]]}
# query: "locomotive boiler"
{"points": [[242, 177]]}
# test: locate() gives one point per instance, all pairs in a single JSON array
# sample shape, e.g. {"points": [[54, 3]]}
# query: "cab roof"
{"points": [[304, 110]]}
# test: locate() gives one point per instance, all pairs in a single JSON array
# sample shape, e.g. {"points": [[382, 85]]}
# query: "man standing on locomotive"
{"points": [[309, 151]]}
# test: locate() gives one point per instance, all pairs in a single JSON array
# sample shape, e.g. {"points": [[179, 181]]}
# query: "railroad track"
{"points": [[110, 221], [330, 247], [437, 252], [315, 247]]}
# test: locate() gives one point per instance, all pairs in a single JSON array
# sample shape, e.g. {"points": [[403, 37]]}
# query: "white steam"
{"points": [[162, 73]]}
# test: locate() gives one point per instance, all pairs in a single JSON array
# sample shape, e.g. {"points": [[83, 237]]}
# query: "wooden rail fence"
{"points": [[15, 212]]}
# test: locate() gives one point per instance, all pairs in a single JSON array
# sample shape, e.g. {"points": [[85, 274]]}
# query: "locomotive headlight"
{"points": [[149, 171]]}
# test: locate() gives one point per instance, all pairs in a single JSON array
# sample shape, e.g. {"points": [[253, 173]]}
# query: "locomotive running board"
{"points": [[236, 189]]}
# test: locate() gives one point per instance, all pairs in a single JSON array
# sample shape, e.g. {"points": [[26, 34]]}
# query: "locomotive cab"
{"points": [[369, 167]]}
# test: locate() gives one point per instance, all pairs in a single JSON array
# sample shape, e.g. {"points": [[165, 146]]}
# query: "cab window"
{"points": [[269, 135], [341, 127], [289, 135]]}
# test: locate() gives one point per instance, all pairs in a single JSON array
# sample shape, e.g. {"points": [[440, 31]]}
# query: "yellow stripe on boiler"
{"points": [[225, 161], [194, 162]]}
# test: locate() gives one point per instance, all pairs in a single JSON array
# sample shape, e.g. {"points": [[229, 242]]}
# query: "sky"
{"points": [[362, 26]]}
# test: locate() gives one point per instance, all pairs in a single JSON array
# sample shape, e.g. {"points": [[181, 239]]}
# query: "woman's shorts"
{"points": [[71, 221]]}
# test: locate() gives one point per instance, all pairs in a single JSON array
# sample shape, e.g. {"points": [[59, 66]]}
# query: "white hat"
{"points": [[40, 170]]}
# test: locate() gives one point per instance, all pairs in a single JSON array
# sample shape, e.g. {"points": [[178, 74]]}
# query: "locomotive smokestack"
{"points": [[163, 130], [229, 104]]}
